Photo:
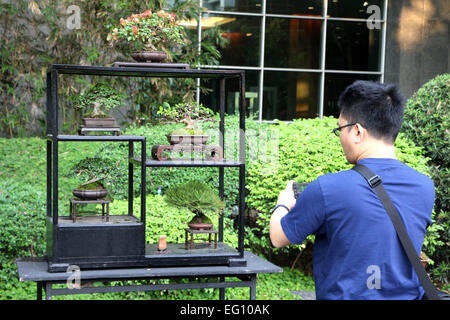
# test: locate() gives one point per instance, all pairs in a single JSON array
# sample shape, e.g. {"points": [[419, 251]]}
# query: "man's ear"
{"points": [[359, 133]]}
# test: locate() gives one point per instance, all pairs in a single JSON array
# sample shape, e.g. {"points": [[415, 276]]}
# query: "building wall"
{"points": [[417, 47]]}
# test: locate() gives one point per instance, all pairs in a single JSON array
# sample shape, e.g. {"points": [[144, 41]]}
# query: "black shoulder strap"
{"points": [[375, 183]]}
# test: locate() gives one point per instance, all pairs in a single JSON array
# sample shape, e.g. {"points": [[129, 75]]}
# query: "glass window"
{"points": [[254, 6], [335, 85], [243, 35], [355, 9], [292, 43], [352, 46], [290, 95], [211, 98], [303, 7]]}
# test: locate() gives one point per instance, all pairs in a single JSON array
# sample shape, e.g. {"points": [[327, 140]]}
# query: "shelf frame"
{"points": [[53, 138]]}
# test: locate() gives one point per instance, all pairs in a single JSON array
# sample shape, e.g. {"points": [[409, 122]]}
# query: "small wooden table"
{"points": [[75, 202], [196, 231]]}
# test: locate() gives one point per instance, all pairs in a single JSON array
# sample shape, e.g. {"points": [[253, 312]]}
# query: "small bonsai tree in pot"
{"points": [[149, 33], [199, 198], [95, 102], [191, 114], [91, 190]]}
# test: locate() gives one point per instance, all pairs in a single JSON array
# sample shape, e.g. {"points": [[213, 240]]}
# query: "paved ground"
{"points": [[305, 295]]}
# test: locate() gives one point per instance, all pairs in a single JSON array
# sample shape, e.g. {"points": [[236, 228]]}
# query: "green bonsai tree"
{"points": [[196, 196], [98, 99], [184, 110]]}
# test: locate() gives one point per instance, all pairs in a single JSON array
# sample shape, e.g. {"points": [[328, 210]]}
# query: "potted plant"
{"points": [[96, 102], [199, 198], [91, 190], [149, 33], [189, 113], [183, 110]]}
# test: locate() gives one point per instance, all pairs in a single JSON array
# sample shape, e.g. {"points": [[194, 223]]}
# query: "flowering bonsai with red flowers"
{"points": [[149, 31]]}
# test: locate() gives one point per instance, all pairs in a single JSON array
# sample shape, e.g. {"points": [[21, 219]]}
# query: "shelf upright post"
{"points": [[54, 104], [130, 177], [143, 179], [222, 145], [242, 162], [49, 146]]}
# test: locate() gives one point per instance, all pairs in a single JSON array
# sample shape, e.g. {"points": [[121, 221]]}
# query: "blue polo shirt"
{"points": [[357, 254]]}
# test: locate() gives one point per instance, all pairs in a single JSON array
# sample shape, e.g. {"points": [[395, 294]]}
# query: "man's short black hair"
{"points": [[377, 107]]}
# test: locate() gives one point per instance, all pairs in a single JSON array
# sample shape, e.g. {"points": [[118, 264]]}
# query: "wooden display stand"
{"points": [[190, 244], [75, 202]]}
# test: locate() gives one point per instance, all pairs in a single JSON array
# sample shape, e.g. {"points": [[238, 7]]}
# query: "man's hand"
{"points": [[286, 196]]}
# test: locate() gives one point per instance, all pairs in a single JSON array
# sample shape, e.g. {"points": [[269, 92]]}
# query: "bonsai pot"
{"points": [[187, 139], [90, 194], [200, 222], [149, 56], [99, 122], [200, 226]]}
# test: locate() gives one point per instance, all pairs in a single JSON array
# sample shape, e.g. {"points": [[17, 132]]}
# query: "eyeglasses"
{"points": [[337, 131]]}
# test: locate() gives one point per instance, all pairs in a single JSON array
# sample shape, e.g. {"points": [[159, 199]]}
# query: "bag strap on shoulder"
{"points": [[375, 183]]}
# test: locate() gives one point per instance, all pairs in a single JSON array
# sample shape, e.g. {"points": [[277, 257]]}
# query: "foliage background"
{"points": [[34, 35]]}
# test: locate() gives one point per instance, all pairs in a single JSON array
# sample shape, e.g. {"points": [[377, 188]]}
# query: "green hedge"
{"points": [[427, 123]]}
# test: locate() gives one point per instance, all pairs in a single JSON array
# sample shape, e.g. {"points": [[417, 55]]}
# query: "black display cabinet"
{"points": [[121, 243]]}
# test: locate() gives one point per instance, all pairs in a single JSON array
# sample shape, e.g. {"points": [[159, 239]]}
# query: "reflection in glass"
{"points": [[335, 84], [211, 99], [352, 46], [355, 8], [292, 43], [290, 95], [233, 5], [243, 34], [303, 7]]}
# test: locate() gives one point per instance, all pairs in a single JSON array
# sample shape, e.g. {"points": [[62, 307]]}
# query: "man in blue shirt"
{"points": [[357, 254]]}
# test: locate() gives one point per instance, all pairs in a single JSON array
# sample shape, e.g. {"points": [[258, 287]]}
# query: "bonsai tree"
{"points": [[148, 30], [185, 111], [196, 196], [189, 113], [98, 100]]}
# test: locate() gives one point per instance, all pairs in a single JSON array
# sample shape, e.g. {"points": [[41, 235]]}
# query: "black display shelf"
{"points": [[114, 245], [145, 72], [122, 138]]}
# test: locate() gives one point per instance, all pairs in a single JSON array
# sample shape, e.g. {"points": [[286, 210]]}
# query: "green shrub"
{"points": [[427, 123]]}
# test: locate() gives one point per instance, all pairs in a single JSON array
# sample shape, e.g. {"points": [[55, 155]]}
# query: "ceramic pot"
{"points": [[149, 56], [187, 139], [200, 226], [99, 122], [90, 194]]}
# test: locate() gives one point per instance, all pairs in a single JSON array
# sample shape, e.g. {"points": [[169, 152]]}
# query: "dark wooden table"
{"points": [[35, 270]]}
